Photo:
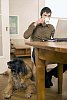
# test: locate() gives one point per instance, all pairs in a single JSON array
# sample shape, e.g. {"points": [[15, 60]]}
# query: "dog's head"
{"points": [[17, 66]]}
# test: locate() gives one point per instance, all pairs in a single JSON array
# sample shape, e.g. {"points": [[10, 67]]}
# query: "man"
{"points": [[41, 30]]}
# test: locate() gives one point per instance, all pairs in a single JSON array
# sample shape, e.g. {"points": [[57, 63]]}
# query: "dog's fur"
{"points": [[19, 77]]}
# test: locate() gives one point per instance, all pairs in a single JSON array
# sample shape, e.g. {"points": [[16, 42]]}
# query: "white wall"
{"points": [[58, 7], [26, 10]]}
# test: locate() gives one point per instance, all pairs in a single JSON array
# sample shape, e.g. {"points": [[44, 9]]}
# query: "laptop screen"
{"points": [[61, 29]]}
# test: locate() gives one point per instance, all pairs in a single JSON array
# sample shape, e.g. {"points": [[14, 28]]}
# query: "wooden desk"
{"points": [[48, 51]]}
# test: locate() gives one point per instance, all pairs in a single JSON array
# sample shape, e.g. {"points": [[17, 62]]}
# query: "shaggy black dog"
{"points": [[19, 77], [17, 66]]}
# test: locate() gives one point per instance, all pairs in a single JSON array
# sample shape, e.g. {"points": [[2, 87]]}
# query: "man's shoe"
{"points": [[47, 86]]}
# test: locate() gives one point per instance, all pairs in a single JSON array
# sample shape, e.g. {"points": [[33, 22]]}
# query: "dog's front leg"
{"points": [[31, 88], [9, 88], [29, 91]]}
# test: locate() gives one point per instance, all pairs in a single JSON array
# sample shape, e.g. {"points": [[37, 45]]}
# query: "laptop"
{"points": [[61, 31]]}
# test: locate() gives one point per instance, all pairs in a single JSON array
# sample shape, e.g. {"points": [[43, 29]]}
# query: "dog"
{"points": [[19, 77]]}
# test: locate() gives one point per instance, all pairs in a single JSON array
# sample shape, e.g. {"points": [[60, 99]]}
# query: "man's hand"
{"points": [[39, 21]]}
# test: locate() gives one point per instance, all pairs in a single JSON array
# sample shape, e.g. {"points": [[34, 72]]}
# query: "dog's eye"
{"points": [[13, 70]]}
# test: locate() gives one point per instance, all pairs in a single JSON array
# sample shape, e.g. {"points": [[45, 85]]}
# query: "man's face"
{"points": [[46, 16]]}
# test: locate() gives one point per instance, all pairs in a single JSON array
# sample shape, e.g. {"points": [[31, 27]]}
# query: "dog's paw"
{"points": [[7, 96], [28, 95]]}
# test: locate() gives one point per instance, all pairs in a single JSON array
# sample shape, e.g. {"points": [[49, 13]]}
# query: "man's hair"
{"points": [[45, 9]]}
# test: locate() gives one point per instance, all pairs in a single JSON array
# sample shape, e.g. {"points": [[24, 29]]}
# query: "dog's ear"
{"points": [[21, 61], [10, 64], [17, 59]]}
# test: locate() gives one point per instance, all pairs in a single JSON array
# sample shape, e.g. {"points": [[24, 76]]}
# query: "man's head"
{"points": [[46, 13], [47, 10]]}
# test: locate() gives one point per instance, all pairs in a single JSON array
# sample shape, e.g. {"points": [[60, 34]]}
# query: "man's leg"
{"points": [[47, 82], [54, 71]]}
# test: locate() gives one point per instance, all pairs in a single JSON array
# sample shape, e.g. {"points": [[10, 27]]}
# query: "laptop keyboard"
{"points": [[57, 40]]}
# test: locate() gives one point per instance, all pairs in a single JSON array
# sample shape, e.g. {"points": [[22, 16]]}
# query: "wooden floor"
{"points": [[51, 93]]}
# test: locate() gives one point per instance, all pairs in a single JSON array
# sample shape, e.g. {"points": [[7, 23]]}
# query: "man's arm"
{"points": [[29, 31], [31, 28], [53, 32]]}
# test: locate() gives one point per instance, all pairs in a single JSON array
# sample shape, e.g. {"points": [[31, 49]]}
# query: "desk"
{"points": [[48, 51]]}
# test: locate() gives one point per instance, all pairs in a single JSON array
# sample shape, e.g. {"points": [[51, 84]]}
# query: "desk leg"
{"points": [[60, 77], [40, 76]]}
